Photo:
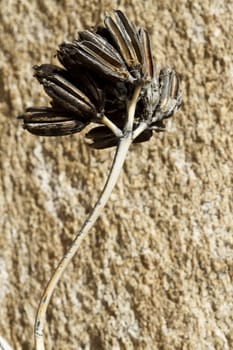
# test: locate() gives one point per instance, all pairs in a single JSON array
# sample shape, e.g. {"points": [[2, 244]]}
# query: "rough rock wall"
{"points": [[156, 271]]}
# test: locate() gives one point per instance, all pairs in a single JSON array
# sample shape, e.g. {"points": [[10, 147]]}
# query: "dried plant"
{"points": [[109, 79]]}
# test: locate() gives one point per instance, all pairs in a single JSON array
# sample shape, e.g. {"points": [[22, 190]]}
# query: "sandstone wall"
{"points": [[156, 271]]}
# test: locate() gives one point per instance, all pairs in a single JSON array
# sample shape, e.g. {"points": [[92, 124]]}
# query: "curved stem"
{"points": [[131, 106], [93, 216], [120, 155]]}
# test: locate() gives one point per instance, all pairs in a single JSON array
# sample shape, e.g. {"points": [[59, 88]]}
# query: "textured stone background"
{"points": [[156, 271]]}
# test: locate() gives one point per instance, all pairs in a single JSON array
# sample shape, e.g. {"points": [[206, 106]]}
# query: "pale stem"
{"points": [[131, 109], [120, 155], [141, 127], [116, 131]]}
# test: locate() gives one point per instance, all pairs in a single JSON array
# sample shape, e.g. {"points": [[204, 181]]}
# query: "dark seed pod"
{"points": [[99, 55], [60, 128], [158, 126], [44, 114], [101, 137], [62, 91], [88, 83], [144, 136], [126, 38], [148, 64], [170, 94], [67, 55], [46, 121]]}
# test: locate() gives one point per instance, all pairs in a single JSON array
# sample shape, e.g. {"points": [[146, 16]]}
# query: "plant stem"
{"points": [[141, 127], [120, 156], [131, 110], [116, 131]]}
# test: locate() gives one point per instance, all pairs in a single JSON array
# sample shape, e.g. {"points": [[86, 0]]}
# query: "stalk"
{"points": [[118, 161]]}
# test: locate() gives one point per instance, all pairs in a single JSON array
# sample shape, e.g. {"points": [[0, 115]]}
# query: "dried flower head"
{"points": [[101, 70], [109, 79]]}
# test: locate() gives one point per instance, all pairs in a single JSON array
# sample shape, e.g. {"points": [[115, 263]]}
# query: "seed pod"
{"points": [[101, 137], [67, 55], [47, 121], [99, 55], [126, 38], [80, 75], [150, 95], [144, 136], [148, 64], [170, 94], [62, 91]]}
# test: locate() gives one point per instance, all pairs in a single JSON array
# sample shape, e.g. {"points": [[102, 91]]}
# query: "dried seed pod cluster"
{"points": [[100, 71]]}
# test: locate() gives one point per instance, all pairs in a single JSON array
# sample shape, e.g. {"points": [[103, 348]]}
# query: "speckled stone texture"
{"points": [[156, 271]]}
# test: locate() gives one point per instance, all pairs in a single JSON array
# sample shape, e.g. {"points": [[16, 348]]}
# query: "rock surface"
{"points": [[156, 271]]}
